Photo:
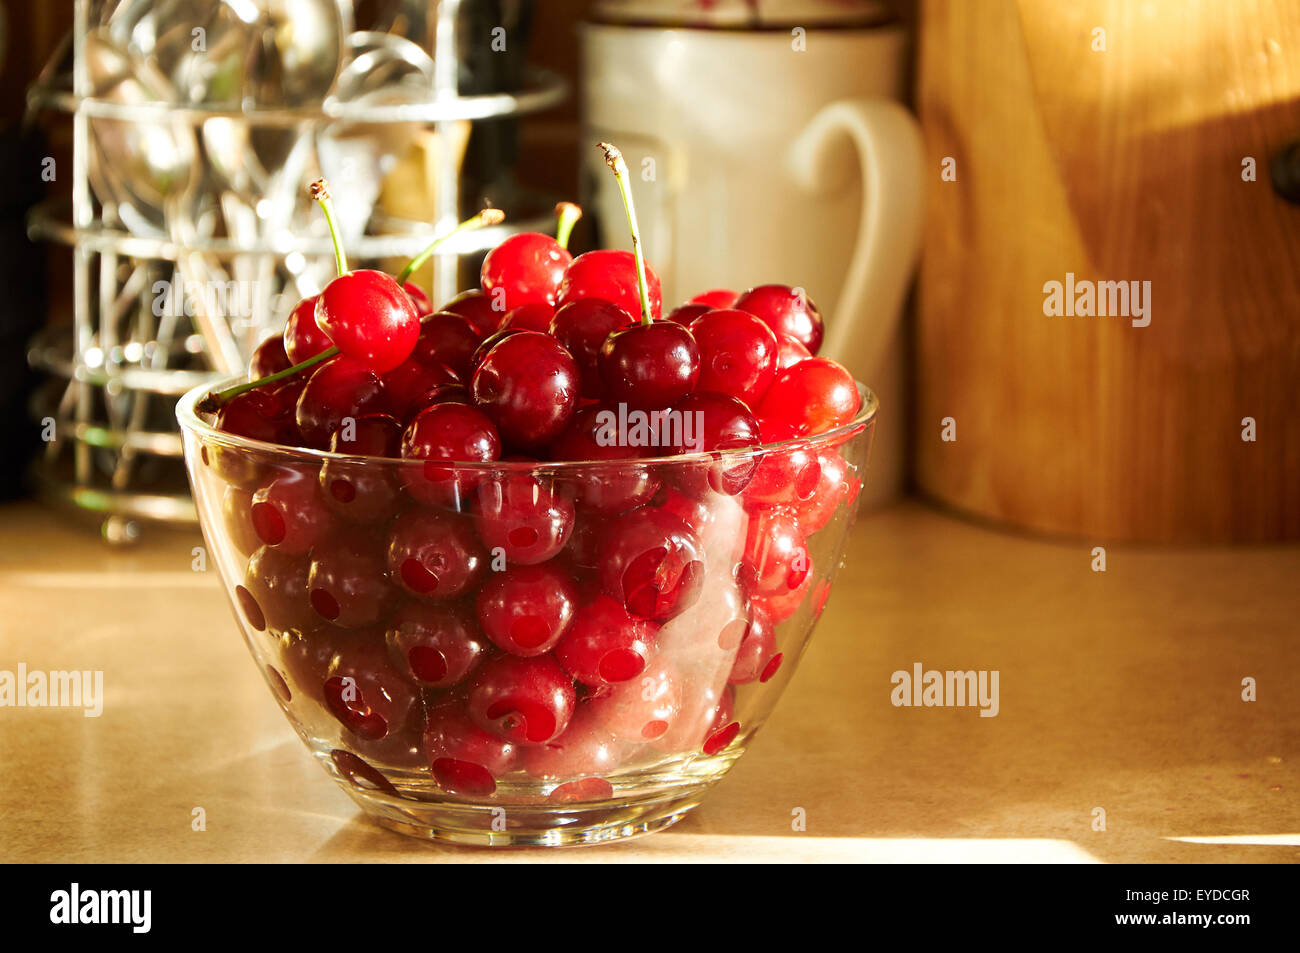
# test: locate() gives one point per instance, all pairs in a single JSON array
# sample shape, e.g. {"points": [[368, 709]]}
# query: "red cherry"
{"points": [[449, 340], [527, 701], [464, 758], [487, 344], [276, 588], [738, 354], [757, 649], [529, 385], [605, 489], [407, 384], [303, 337], [812, 397], [364, 691], [833, 488], [347, 585], [781, 605], [535, 316], [337, 389], [643, 708], [605, 644], [687, 313], [527, 268], [478, 308], [442, 435], [582, 326], [419, 298], [777, 561], [785, 310], [649, 366], [362, 492], [255, 415], [652, 563], [790, 352], [787, 474], [369, 318], [525, 610], [237, 516], [269, 358], [436, 646], [586, 749], [610, 275], [522, 517], [717, 298], [434, 556], [716, 422], [440, 394], [290, 514]]}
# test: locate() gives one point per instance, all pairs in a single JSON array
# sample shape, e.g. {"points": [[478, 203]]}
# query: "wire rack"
{"points": [[113, 375]]}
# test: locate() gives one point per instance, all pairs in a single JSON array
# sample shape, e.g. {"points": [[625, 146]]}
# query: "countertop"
{"points": [[1118, 690]]}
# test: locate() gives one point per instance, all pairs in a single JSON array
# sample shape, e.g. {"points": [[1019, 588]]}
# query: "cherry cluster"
{"points": [[476, 613]]}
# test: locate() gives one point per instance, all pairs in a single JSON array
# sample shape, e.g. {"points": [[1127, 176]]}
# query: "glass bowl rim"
{"points": [[190, 421]]}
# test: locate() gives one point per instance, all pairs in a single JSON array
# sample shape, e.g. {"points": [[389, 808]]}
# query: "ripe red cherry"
{"points": [[527, 268], [812, 397], [436, 646], [786, 475], [275, 592], [716, 422], [790, 352], [603, 489], [439, 394], [717, 298], [586, 750], [408, 383], [777, 560], [605, 644], [419, 298], [370, 318], [303, 337], [478, 308], [785, 310], [529, 317], [643, 708], [738, 354], [364, 691], [487, 344], [290, 513], [652, 563], [337, 389], [757, 651], [434, 556], [522, 517], [610, 275], [463, 757], [529, 385], [442, 435], [833, 488], [347, 584], [527, 701], [362, 492], [256, 415], [269, 358], [686, 313], [582, 326], [525, 610], [449, 340], [649, 366]]}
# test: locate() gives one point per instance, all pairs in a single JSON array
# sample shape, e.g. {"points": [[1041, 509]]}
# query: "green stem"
{"points": [[320, 191], [489, 216], [218, 399], [614, 159], [569, 214]]}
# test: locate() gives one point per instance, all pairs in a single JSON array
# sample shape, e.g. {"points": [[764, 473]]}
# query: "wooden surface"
{"points": [[1122, 164], [1119, 690]]}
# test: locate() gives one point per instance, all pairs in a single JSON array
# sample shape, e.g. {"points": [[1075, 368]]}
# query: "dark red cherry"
{"points": [[434, 556], [442, 435], [269, 358], [785, 310], [275, 591], [448, 339], [407, 384], [440, 394], [370, 318], [812, 397], [607, 489], [255, 415], [337, 389], [652, 563], [419, 298], [582, 326], [605, 644], [586, 750], [686, 313], [347, 584], [364, 691], [363, 492], [480, 309], [610, 275], [527, 268], [649, 366], [303, 337], [529, 385], [717, 298], [527, 701], [290, 514], [777, 561], [436, 646], [708, 422], [738, 354], [522, 517], [487, 344], [789, 352], [757, 649], [463, 757], [525, 609], [535, 316]]}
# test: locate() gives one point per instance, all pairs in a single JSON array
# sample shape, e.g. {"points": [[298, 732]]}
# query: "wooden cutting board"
{"points": [[1111, 156]]}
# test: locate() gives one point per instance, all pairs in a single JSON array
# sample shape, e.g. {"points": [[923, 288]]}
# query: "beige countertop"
{"points": [[1119, 690]]}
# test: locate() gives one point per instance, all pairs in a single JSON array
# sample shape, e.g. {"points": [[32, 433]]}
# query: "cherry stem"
{"points": [[569, 214], [489, 216], [614, 159], [218, 399], [320, 193]]}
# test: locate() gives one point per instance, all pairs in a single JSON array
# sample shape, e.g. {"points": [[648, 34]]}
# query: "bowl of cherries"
{"points": [[530, 568]]}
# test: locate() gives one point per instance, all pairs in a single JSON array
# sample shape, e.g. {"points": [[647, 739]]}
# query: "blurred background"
{"points": [[924, 169]]}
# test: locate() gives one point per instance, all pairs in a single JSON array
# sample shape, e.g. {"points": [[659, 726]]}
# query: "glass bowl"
{"points": [[405, 616]]}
